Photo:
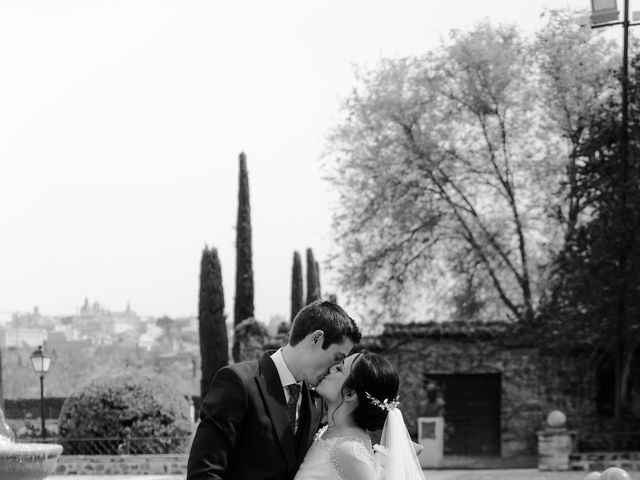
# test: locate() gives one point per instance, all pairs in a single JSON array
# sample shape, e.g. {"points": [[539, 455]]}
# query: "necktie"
{"points": [[294, 394]]}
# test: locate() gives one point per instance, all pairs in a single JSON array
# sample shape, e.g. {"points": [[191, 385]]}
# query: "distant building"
{"points": [[101, 325], [5, 318], [27, 329], [94, 325], [58, 341], [56, 337], [151, 333], [16, 337]]}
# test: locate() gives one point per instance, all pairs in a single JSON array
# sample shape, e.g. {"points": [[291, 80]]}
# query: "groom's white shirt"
{"points": [[286, 378]]}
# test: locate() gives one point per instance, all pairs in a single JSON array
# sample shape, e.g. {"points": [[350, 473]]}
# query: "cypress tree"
{"points": [[243, 307], [297, 293], [312, 278], [318, 287], [1, 397], [214, 343]]}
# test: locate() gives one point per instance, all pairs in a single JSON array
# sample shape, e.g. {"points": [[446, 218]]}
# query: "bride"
{"points": [[361, 395]]}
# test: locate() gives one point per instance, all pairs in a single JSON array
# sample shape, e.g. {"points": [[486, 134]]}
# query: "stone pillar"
{"points": [[555, 444], [431, 437]]}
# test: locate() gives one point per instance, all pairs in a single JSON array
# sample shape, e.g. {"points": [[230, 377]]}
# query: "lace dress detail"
{"points": [[339, 458]]}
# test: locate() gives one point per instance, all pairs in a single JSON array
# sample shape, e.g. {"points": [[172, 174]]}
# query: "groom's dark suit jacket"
{"points": [[243, 432]]}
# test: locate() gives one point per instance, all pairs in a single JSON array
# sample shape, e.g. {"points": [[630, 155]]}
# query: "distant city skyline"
{"points": [[122, 122], [93, 303]]}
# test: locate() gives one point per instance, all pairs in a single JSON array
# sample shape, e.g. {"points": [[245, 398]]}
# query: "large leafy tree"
{"points": [[214, 343], [592, 283], [243, 307], [575, 76], [596, 296], [457, 171], [441, 178]]}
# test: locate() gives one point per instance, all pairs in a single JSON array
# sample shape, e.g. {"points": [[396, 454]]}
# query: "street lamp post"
{"points": [[41, 363]]}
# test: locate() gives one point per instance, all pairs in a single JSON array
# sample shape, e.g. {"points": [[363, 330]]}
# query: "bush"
{"points": [[251, 328], [129, 405], [250, 337]]}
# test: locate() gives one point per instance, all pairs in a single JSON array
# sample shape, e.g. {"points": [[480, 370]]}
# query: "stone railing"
{"points": [[119, 446], [594, 461], [122, 465]]}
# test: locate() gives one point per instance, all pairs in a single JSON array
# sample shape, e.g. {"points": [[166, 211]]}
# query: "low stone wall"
{"points": [[122, 465], [599, 461], [177, 464]]}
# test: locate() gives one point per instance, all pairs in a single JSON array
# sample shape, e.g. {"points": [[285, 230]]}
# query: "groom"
{"points": [[259, 417]]}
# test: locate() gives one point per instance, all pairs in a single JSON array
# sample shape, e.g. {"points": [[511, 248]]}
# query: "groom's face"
{"points": [[331, 387], [321, 360]]}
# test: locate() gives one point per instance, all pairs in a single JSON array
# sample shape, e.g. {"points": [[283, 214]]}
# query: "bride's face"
{"points": [[331, 386]]}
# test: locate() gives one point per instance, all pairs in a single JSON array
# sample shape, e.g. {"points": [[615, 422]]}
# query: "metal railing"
{"points": [[118, 446], [609, 441]]}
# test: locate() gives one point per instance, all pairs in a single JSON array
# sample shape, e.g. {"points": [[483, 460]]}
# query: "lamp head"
{"points": [[39, 361]]}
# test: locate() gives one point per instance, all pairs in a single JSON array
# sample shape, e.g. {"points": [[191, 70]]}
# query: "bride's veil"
{"points": [[396, 458]]}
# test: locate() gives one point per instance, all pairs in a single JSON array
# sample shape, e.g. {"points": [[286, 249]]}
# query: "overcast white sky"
{"points": [[121, 123]]}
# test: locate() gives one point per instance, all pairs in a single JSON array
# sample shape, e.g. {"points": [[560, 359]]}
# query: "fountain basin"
{"points": [[28, 461]]}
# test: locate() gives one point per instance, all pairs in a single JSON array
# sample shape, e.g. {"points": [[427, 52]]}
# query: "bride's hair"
{"points": [[373, 375]]}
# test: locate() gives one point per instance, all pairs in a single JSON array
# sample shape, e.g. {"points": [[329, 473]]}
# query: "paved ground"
{"points": [[521, 474], [116, 477]]}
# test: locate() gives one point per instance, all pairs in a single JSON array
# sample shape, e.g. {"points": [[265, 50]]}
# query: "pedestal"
{"points": [[431, 437], [554, 448]]}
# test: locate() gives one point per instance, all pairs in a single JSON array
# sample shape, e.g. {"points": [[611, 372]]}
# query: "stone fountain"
{"points": [[25, 461]]}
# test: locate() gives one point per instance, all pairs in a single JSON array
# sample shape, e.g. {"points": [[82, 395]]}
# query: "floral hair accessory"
{"points": [[383, 404]]}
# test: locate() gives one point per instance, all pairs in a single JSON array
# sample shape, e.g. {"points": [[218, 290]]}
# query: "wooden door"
{"points": [[471, 412]]}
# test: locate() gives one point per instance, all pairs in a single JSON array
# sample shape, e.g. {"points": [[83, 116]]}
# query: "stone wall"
{"points": [[121, 465], [533, 382]]}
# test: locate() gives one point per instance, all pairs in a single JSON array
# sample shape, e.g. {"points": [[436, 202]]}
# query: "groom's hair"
{"points": [[328, 317]]}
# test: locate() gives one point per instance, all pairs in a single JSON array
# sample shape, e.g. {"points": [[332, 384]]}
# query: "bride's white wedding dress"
{"points": [[352, 457], [338, 458]]}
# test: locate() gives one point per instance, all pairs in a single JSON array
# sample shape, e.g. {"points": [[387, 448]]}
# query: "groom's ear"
{"points": [[317, 338]]}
